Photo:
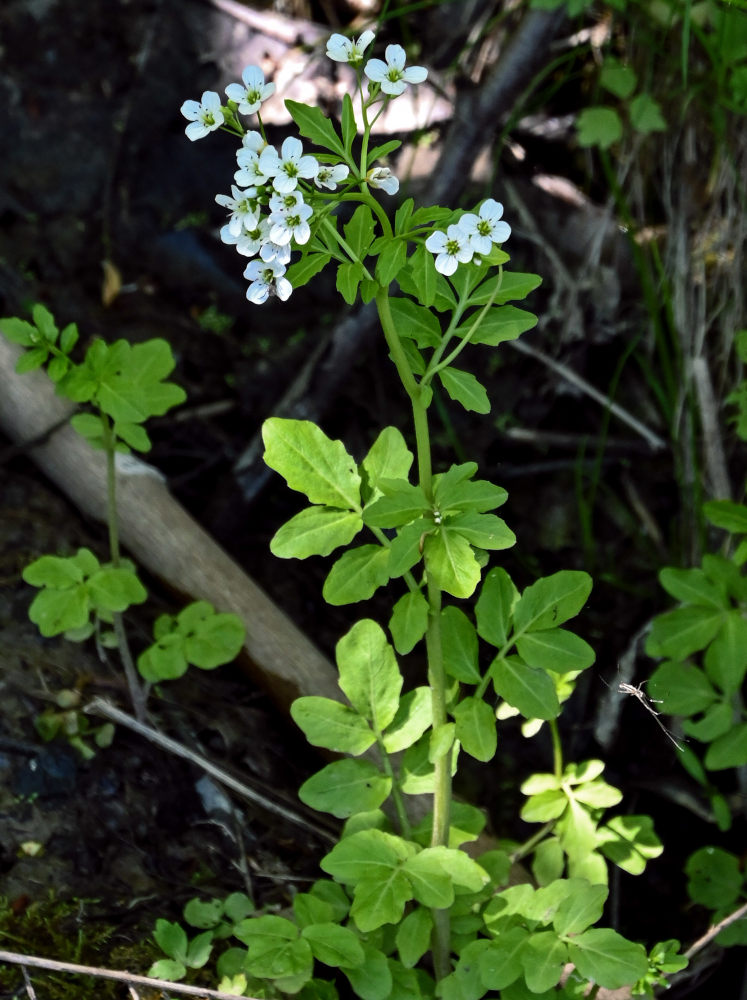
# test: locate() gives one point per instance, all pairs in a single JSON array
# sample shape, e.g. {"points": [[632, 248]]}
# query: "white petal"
{"points": [[253, 78], [211, 101], [415, 74], [283, 289], [395, 56], [191, 109], [235, 92], [365, 40], [436, 242], [196, 130], [375, 70], [292, 148]]}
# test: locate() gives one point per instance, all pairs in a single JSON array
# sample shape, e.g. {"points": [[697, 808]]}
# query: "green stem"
{"points": [[137, 695], [399, 804], [441, 939], [529, 845], [557, 749]]}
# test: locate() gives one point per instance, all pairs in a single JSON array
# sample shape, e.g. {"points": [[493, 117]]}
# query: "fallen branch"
{"points": [[34, 962]]}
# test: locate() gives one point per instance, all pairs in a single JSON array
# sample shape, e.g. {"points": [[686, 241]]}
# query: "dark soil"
{"points": [[96, 168]]}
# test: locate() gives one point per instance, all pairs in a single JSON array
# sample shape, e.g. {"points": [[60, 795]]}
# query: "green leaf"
{"points": [[681, 689], [717, 720], [204, 914], [348, 122], [45, 323], [114, 589], [729, 750], [167, 968], [692, 586], [422, 280], [415, 322], [618, 79], [369, 675], [56, 611], [451, 563], [380, 901], [511, 285], [133, 435], [726, 658], [552, 601], [679, 633], [357, 575], [302, 271], [18, 331], [346, 787], [406, 548], [527, 688], [413, 938], [68, 338], [500, 965], [373, 979], [494, 607], [369, 854], [388, 458], [31, 360], [417, 771], [164, 660], [330, 724], [544, 806], [210, 639], [275, 949], [485, 531], [391, 261], [498, 325], [629, 842], [315, 125], [409, 621], [430, 882], [714, 878], [402, 502], [555, 649], [414, 716], [57, 572], [646, 115], [311, 463], [315, 531], [199, 950], [171, 938], [727, 515], [599, 127], [476, 728], [543, 958], [464, 388], [359, 232], [338, 947], [128, 379], [349, 276], [455, 492], [607, 958], [460, 647], [581, 907]]}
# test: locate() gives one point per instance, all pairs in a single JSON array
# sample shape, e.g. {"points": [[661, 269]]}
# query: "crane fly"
{"points": [[648, 704]]}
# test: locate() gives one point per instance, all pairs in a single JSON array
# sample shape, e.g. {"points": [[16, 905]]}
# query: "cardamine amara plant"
{"points": [[407, 910]]}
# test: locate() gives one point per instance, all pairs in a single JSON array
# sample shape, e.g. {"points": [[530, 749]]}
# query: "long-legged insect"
{"points": [[648, 704]]}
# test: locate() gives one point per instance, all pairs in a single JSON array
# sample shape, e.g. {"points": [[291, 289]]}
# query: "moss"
{"points": [[62, 929]]}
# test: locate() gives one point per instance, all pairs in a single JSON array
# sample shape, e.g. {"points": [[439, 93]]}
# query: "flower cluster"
{"points": [[268, 211], [471, 235]]}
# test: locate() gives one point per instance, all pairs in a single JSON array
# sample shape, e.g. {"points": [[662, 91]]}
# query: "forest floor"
{"points": [[96, 169]]}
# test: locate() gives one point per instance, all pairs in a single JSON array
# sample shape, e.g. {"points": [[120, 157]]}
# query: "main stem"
{"points": [[137, 695], [441, 941]]}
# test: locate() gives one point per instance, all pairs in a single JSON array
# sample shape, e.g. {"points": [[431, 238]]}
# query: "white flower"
{"points": [[343, 49], [266, 277], [330, 176], [253, 141], [255, 90], [250, 174], [291, 224], [382, 177], [452, 248], [286, 202], [391, 74], [286, 169], [243, 207], [250, 241], [274, 251], [204, 117], [485, 229]]}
